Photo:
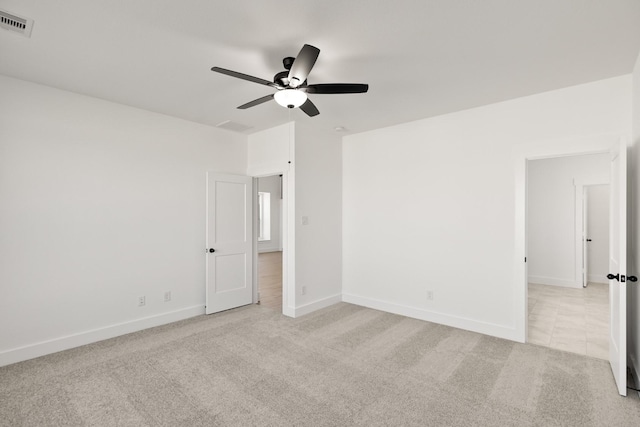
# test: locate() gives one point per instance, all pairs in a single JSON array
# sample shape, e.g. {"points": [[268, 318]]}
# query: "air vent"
{"points": [[15, 23], [236, 127]]}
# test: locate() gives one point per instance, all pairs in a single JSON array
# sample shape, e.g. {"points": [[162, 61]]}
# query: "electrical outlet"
{"points": [[304, 290], [430, 295], [167, 296], [142, 301]]}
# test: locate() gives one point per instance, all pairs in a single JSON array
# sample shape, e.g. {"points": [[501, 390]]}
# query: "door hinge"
{"points": [[525, 259]]}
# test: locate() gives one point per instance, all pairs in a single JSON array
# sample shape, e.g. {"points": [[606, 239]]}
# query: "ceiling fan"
{"points": [[291, 85]]}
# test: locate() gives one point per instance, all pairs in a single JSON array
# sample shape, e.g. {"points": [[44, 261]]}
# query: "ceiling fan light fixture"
{"points": [[290, 98]]}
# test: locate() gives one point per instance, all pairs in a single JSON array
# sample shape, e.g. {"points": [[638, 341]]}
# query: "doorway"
{"points": [[566, 310], [617, 147], [269, 241], [232, 233]]}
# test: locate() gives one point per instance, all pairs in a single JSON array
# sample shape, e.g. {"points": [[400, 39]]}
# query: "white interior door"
{"points": [[598, 233], [617, 266], [229, 242]]}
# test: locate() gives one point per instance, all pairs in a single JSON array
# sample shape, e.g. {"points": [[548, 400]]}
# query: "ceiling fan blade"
{"points": [[328, 88], [302, 65], [256, 102], [309, 108], [244, 77]]}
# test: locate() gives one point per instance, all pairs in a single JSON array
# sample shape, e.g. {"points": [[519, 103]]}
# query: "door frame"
{"points": [[288, 237], [573, 146]]}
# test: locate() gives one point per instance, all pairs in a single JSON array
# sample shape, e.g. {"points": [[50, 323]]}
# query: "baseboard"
{"points": [[596, 278], [542, 280], [467, 324], [265, 250], [633, 366], [316, 305], [76, 340]]}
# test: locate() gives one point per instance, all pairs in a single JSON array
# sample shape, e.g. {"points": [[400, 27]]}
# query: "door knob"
{"points": [[632, 278], [588, 240], [611, 277], [212, 250]]}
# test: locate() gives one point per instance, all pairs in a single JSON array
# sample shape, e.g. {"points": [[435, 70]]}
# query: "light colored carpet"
{"points": [[341, 366]]}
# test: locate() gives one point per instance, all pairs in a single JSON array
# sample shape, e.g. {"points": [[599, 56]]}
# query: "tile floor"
{"points": [[569, 319]]}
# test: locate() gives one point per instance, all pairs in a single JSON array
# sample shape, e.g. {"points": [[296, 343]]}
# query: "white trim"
{"points": [[317, 305], [255, 243], [485, 328], [76, 340], [554, 281], [289, 229], [580, 261], [265, 250], [288, 311]]}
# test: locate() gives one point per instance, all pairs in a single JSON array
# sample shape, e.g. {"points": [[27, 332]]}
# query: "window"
{"points": [[264, 216]]}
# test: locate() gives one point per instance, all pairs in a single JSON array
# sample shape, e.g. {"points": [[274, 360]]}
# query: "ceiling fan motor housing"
{"points": [[288, 62], [282, 78]]}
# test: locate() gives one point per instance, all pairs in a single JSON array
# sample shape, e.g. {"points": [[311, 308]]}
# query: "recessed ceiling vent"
{"points": [[233, 126], [15, 23]]}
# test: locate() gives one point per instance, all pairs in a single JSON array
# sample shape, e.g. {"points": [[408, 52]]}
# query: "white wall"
{"points": [[430, 205], [271, 185], [100, 204], [319, 199], [552, 206], [271, 151], [598, 232], [633, 264]]}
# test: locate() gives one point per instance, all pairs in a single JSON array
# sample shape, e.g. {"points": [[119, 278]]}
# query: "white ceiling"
{"points": [[420, 58]]}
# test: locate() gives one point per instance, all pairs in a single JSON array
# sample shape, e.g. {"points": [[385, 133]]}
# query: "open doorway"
{"points": [[270, 241], [568, 294], [617, 147]]}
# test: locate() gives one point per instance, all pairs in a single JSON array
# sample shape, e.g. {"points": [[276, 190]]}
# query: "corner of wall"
{"points": [[318, 217], [304, 309]]}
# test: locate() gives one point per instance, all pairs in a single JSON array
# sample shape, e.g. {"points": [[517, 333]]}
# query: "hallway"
{"points": [[270, 279]]}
